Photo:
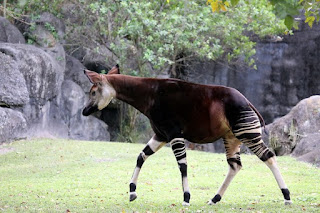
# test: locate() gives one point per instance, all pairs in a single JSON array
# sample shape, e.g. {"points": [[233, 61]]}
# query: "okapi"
{"points": [[180, 110]]}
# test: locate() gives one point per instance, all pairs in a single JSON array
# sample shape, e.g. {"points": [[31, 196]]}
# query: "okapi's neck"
{"points": [[137, 92]]}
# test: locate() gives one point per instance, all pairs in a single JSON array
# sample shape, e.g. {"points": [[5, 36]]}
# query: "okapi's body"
{"points": [[179, 110]]}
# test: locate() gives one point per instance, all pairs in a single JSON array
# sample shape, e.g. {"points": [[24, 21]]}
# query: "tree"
{"points": [[284, 9], [165, 34]]}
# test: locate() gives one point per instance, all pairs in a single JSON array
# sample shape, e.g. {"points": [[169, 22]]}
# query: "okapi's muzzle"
{"points": [[88, 110]]}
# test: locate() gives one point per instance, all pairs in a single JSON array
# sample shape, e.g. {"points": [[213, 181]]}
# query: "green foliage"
{"points": [[166, 34], [284, 9], [160, 35], [35, 7], [51, 29], [78, 176]]}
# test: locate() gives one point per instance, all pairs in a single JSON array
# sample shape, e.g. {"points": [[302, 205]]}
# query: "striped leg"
{"points": [[152, 146], [248, 131], [232, 146], [179, 150]]}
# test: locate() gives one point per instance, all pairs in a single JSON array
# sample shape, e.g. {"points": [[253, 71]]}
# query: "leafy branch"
{"points": [[284, 9]]}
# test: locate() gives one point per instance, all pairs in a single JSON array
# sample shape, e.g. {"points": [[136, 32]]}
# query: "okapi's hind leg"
{"points": [[248, 130], [152, 146], [232, 146]]}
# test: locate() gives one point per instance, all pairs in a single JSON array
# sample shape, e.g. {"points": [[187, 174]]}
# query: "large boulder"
{"points": [[298, 131], [312, 157], [47, 33], [308, 149], [45, 30], [13, 88], [33, 83], [9, 33], [43, 76], [74, 72], [12, 125]]}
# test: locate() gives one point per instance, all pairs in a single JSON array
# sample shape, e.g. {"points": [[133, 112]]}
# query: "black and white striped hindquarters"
{"points": [[248, 130]]}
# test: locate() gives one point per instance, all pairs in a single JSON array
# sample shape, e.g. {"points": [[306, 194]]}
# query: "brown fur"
{"points": [[181, 109]]}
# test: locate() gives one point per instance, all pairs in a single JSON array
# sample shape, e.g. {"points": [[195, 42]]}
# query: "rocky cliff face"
{"points": [[42, 90]]}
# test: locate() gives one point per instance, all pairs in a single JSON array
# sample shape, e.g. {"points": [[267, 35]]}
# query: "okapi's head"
{"points": [[101, 93]]}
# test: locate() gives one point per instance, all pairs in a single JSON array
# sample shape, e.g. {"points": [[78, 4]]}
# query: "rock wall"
{"points": [[42, 90]]}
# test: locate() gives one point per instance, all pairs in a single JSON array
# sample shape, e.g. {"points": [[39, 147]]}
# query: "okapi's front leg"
{"points": [[152, 146], [179, 150]]}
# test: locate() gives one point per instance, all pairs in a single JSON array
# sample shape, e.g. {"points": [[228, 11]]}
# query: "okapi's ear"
{"points": [[114, 70], [93, 76]]}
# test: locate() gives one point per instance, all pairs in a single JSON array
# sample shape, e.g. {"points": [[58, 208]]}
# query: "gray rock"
{"points": [[48, 105], [74, 72], [57, 24], [13, 88], [43, 76], [308, 143], [47, 33], [288, 131], [88, 128], [58, 54], [98, 58], [12, 125], [72, 99], [312, 157], [46, 30], [9, 33]]}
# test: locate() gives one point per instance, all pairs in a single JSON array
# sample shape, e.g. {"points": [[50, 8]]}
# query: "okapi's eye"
{"points": [[93, 93]]}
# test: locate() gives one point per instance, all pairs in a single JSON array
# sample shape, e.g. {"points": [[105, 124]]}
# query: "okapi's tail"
{"points": [[259, 115]]}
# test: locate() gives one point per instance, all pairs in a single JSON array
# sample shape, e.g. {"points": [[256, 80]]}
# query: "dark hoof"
{"points": [[215, 200], [133, 196]]}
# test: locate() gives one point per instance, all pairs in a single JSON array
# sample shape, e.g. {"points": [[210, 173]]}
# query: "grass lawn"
{"points": [[78, 176]]}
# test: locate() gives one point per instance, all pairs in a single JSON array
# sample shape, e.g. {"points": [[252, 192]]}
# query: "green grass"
{"points": [[62, 175]]}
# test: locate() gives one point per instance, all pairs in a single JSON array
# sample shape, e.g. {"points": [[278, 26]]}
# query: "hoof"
{"points": [[133, 196], [287, 202], [185, 203], [214, 200]]}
